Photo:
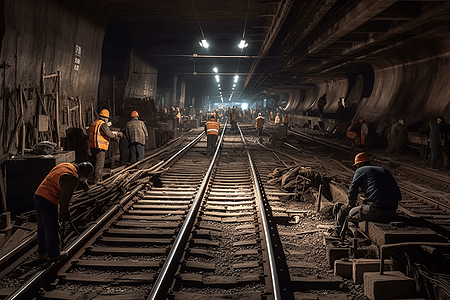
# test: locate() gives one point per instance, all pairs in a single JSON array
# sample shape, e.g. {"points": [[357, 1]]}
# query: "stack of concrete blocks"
{"points": [[390, 285]]}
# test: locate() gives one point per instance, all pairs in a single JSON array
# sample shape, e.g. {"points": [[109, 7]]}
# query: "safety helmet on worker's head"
{"points": [[212, 117], [104, 113], [361, 157], [85, 169], [401, 121], [134, 114], [361, 119]]}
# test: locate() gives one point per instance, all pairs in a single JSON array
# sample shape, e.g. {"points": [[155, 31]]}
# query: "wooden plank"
{"points": [[127, 240], [119, 264], [152, 218], [200, 265], [127, 251], [70, 295], [109, 279], [140, 232], [147, 225], [247, 264], [156, 212]]}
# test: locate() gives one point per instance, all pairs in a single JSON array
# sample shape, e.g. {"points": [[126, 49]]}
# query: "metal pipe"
{"points": [[159, 290], [268, 241]]}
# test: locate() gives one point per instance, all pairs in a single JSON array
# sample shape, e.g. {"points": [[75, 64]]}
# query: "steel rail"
{"points": [[30, 287], [167, 273], [268, 242]]}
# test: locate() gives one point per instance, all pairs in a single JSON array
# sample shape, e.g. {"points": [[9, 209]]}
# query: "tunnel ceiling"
{"points": [[291, 43]]}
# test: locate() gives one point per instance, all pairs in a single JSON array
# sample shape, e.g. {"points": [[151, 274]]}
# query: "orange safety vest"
{"points": [[49, 187], [212, 127], [277, 120], [97, 139]]}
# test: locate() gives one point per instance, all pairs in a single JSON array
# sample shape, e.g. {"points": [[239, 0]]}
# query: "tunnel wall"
{"points": [[410, 82], [47, 32]]}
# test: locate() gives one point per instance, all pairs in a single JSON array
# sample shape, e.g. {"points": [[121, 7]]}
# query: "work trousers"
{"points": [[434, 155], [211, 140], [362, 213], [48, 238], [136, 152], [99, 157], [259, 131]]}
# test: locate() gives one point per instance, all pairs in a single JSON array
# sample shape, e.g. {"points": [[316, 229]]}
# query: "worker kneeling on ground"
{"points": [[55, 191], [212, 133], [381, 197]]}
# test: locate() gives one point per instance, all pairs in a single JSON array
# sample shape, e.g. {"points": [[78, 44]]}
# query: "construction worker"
{"points": [[137, 134], [381, 196], [259, 124], [285, 123], [277, 119], [364, 131], [99, 136], [55, 191], [212, 133]]}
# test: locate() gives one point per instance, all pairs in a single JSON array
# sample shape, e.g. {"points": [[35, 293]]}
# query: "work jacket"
{"points": [[277, 120], [136, 131], [50, 187], [212, 127], [259, 122], [97, 138]]}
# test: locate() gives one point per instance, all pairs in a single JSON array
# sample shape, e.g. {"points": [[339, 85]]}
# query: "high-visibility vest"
{"points": [[97, 139], [212, 127], [49, 187], [277, 120]]}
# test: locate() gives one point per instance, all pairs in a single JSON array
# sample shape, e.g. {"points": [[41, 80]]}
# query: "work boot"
{"points": [[62, 254], [42, 256]]}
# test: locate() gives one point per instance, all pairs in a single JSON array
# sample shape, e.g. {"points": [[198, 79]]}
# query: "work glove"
{"points": [[65, 216]]}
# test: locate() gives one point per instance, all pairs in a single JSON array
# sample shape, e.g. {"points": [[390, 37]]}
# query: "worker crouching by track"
{"points": [[55, 191], [212, 132], [381, 192]]}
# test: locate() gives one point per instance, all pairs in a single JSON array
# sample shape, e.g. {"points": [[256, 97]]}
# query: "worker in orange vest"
{"points": [[55, 191], [259, 124], [99, 136], [277, 119], [212, 133]]}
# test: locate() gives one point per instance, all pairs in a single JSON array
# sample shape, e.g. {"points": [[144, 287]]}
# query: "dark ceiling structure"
{"points": [[291, 44]]}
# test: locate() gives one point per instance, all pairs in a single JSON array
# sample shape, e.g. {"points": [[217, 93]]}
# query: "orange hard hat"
{"points": [[134, 114], [104, 113], [361, 157]]}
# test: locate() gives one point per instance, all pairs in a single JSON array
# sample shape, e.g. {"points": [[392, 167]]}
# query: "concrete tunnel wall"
{"points": [[410, 82]]}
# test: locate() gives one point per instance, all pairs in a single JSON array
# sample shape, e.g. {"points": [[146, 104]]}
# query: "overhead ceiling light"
{"points": [[203, 43], [243, 44], [215, 70], [236, 78], [234, 85], [217, 78]]}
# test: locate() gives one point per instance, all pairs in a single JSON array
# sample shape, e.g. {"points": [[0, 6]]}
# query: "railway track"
{"points": [[135, 248]]}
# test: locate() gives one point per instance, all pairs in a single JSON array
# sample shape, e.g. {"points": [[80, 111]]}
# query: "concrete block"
{"points": [[382, 234], [390, 285], [335, 251], [343, 268], [363, 265]]}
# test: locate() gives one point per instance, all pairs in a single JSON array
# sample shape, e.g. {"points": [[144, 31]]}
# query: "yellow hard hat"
{"points": [[134, 114], [104, 113], [361, 157]]}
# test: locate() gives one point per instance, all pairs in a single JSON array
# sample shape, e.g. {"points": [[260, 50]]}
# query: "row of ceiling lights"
{"points": [[242, 44], [236, 78]]}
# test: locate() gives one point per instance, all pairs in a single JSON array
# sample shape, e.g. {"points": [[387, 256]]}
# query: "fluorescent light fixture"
{"points": [[236, 78], [243, 44], [217, 78], [215, 70], [204, 43], [234, 85]]}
